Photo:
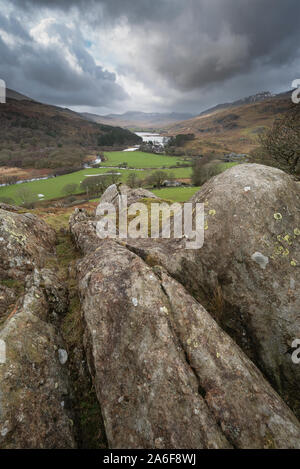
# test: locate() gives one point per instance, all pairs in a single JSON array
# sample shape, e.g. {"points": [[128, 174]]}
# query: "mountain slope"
{"points": [[36, 135], [256, 98], [234, 128]]}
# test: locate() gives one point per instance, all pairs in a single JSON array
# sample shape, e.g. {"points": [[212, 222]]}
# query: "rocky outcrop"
{"points": [[25, 243], [248, 272], [113, 193], [166, 374], [34, 386]]}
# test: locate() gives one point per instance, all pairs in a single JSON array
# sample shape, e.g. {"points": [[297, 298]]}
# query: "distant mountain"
{"points": [[139, 120], [256, 98]]}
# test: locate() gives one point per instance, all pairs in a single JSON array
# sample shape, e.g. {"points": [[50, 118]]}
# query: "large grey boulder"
{"points": [[247, 274], [166, 375]]}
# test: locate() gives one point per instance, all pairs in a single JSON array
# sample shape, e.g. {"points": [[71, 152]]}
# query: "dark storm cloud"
{"points": [[44, 72], [202, 41], [192, 46]]}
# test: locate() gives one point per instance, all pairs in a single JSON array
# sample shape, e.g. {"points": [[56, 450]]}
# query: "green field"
{"points": [[52, 188], [139, 159], [178, 194]]}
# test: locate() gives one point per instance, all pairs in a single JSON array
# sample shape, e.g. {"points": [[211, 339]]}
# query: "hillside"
{"points": [[232, 127], [140, 120], [40, 136], [256, 98]]}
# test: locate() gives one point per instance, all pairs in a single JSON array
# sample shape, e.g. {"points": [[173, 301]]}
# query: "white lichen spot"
{"points": [[163, 309], [4, 431], [247, 188], [134, 301], [62, 356], [260, 259], [277, 216], [189, 341], [121, 399]]}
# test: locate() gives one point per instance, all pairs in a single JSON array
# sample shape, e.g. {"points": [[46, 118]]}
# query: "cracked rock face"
{"points": [[33, 382], [166, 374], [25, 240], [247, 274]]}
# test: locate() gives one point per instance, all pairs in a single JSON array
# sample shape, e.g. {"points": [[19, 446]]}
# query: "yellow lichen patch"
{"points": [[206, 226], [293, 263], [277, 216], [287, 239], [280, 251], [212, 212], [296, 232], [189, 341]]}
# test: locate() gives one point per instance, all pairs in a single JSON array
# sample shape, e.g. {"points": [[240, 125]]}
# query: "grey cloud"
{"points": [[193, 46], [44, 73]]}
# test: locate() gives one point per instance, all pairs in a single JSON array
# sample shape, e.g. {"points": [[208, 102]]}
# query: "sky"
{"points": [[154, 56]]}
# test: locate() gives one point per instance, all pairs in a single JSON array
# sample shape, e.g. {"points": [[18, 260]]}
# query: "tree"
{"points": [[96, 185], [69, 189], [115, 176], [204, 168], [133, 180], [282, 142], [27, 197], [157, 178]]}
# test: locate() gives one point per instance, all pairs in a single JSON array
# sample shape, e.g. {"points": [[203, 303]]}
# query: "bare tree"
{"points": [[27, 197], [205, 168], [69, 189], [282, 142], [133, 180]]}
